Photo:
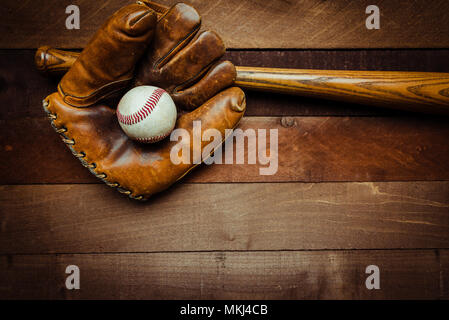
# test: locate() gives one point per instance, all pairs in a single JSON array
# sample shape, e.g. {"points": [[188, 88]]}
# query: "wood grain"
{"points": [[444, 271], [425, 92], [22, 88], [411, 274], [247, 24], [203, 217], [310, 149]]}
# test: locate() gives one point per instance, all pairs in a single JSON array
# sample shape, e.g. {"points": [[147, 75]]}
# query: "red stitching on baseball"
{"points": [[153, 139], [144, 111]]}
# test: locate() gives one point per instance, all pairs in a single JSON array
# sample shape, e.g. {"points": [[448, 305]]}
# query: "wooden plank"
{"points": [[430, 60], [199, 217], [23, 88], [33, 152], [310, 149], [410, 274], [274, 24], [444, 273]]}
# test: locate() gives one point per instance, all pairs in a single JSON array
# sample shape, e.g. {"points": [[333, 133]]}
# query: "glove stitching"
{"points": [[96, 95], [81, 155], [179, 46], [160, 10], [195, 79]]}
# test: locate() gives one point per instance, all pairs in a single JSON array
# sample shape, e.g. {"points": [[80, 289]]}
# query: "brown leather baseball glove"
{"points": [[139, 46]]}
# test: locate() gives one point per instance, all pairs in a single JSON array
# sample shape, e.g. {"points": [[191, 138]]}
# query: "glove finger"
{"points": [[107, 63], [174, 30], [220, 76], [192, 61], [221, 113]]}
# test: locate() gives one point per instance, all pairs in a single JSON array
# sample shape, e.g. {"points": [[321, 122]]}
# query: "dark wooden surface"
{"points": [[412, 274], [356, 185], [236, 216], [247, 24]]}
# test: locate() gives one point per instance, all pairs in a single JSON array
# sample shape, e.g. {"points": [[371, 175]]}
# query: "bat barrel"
{"points": [[426, 92]]}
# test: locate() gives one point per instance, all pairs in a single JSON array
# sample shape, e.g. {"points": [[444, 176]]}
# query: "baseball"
{"points": [[147, 114]]}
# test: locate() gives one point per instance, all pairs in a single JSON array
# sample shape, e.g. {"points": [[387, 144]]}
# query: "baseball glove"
{"points": [[140, 46]]}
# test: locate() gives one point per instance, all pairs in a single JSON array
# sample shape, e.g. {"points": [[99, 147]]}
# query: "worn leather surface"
{"points": [[107, 63], [167, 53]]}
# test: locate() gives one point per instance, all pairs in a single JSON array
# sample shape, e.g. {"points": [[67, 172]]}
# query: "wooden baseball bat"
{"points": [[426, 92]]}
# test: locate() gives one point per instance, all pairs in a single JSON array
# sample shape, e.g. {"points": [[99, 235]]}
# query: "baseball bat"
{"points": [[426, 92]]}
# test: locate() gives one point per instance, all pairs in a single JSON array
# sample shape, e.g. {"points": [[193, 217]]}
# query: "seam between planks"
{"points": [[220, 251]]}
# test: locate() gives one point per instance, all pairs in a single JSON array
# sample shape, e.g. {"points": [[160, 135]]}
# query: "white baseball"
{"points": [[147, 114]]}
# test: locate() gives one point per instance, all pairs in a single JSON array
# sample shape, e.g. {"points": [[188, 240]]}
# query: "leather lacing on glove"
{"points": [[81, 155]]}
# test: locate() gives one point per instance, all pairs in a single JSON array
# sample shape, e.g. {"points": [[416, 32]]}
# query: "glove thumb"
{"points": [[107, 63]]}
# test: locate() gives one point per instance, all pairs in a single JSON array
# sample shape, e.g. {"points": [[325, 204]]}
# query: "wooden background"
{"points": [[356, 186]]}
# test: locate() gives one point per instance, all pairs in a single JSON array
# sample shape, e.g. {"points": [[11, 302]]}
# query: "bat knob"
{"points": [[54, 61], [41, 57]]}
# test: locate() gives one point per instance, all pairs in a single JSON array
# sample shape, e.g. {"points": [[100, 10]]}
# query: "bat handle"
{"points": [[53, 61], [426, 92]]}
